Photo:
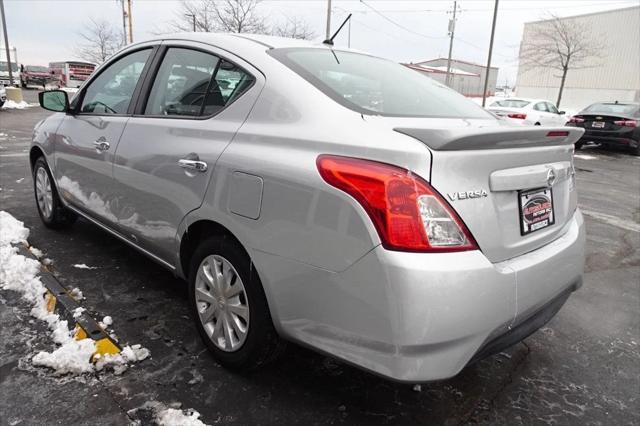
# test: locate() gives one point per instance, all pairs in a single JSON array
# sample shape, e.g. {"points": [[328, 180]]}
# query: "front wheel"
{"points": [[229, 306], [52, 213]]}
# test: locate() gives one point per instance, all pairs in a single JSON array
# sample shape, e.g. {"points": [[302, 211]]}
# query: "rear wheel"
{"points": [[229, 306], [52, 213], [578, 145], [636, 150]]}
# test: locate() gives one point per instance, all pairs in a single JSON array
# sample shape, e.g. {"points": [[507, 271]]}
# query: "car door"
{"points": [[555, 117], [540, 109], [185, 118], [89, 136]]}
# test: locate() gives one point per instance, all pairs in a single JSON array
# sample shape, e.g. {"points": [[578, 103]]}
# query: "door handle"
{"points": [[101, 144], [199, 166]]}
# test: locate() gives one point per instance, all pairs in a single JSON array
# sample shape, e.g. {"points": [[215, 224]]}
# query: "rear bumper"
{"points": [[415, 317], [618, 140]]}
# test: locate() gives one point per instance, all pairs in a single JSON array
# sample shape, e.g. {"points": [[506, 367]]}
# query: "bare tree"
{"points": [[235, 16], [100, 42], [294, 28], [560, 44]]}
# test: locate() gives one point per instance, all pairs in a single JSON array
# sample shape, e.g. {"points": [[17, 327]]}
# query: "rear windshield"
{"points": [[510, 103], [614, 109], [376, 86]]}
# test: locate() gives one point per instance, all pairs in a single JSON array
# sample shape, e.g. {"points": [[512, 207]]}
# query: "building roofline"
{"points": [[584, 14], [437, 71], [454, 60]]}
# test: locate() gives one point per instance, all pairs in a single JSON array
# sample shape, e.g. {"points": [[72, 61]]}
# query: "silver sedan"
{"points": [[319, 195]]}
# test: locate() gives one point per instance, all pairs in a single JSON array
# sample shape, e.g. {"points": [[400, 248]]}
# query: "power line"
{"points": [[400, 26]]}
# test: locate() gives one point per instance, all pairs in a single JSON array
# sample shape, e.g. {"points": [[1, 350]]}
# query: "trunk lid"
{"points": [[481, 168]]}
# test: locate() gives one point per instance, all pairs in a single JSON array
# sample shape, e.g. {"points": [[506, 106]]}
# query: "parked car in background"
{"points": [[533, 112], [391, 223], [610, 124], [4, 73], [3, 95], [71, 73], [35, 75]]}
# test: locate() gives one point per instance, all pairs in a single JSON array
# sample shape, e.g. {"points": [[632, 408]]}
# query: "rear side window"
{"points": [[540, 106], [194, 83], [111, 91], [371, 85]]}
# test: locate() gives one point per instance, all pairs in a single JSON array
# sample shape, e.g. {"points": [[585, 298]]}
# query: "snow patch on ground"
{"points": [[83, 266], [19, 180], [20, 274], [166, 415], [9, 104], [175, 417], [36, 252], [585, 156]]}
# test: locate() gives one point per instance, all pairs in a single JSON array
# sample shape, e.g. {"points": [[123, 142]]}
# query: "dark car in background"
{"points": [[610, 124]]}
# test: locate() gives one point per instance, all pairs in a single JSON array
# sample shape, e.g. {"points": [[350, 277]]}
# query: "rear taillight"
{"points": [[517, 115], [556, 133], [407, 212], [577, 120], [626, 123]]}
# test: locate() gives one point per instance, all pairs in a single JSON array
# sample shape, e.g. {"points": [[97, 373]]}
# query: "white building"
{"points": [[467, 77], [616, 76]]}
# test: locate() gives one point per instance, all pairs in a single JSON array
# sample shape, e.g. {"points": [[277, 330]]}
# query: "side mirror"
{"points": [[54, 100], [562, 112]]}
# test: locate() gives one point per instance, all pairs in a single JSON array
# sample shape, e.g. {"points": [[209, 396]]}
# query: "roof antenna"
{"points": [[329, 41]]}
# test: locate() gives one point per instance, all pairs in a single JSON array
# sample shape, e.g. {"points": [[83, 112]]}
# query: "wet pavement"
{"points": [[582, 368]]}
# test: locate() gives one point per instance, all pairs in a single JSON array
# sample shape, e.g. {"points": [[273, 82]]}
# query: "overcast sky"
{"points": [[403, 30]]}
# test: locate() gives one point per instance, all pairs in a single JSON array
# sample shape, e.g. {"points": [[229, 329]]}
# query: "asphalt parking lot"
{"points": [[583, 367]]}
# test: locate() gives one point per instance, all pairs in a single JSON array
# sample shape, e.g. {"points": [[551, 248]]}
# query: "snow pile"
{"points": [[19, 273], [120, 362], [9, 104], [175, 417], [83, 266]]}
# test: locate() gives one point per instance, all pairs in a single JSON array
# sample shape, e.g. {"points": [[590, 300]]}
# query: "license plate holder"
{"points": [[536, 210], [598, 124]]}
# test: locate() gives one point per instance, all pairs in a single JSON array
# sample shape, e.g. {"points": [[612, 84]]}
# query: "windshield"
{"points": [[4, 67], [371, 85], [624, 109], [36, 68], [510, 103]]}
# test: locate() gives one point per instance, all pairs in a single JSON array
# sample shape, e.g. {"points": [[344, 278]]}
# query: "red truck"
{"points": [[35, 75]]}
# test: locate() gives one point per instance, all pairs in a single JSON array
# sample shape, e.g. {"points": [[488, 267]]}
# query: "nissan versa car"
{"points": [[610, 124], [319, 195]]}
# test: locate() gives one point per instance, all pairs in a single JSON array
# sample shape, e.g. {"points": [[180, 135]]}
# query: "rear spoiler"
{"points": [[469, 138]]}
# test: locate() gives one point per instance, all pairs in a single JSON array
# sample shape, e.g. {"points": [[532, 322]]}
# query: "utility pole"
{"points": [[130, 22], [452, 29], [124, 22], [349, 39], [193, 19], [488, 70], [6, 42], [328, 32]]}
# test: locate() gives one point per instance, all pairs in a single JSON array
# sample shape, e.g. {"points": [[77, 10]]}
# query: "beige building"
{"points": [[466, 77], [617, 76]]}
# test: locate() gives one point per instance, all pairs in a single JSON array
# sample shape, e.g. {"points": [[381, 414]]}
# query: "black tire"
{"points": [[578, 145], [636, 150], [262, 344], [59, 217]]}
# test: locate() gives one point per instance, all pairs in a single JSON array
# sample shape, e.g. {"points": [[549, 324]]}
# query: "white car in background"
{"points": [[3, 95], [532, 112]]}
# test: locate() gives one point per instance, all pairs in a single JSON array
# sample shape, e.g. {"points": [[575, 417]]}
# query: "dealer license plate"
{"points": [[536, 210]]}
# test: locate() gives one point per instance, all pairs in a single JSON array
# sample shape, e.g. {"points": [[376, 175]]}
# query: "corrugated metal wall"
{"points": [[616, 76]]}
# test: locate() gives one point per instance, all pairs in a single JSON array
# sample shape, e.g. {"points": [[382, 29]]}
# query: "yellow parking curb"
{"points": [[59, 300]]}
